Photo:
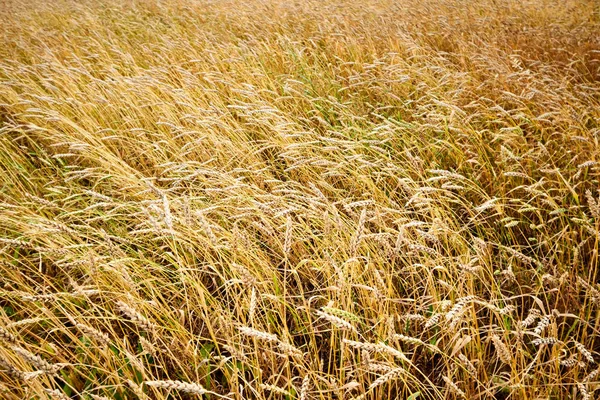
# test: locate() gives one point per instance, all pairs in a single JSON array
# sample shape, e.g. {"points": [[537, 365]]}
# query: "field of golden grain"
{"points": [[299, 199]]}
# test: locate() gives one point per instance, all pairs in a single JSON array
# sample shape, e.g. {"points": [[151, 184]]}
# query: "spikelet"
{"points": [[384, 348], [542, 324], [453, 387], [420, 248], [393, 374], [585, 394], [41, 298], [99, 196], [185, 387], [584, 352], [100, 337], [138, 319], [336, 321], [458, 307], [168, 218], [379, 367], [235, 353], [287, 244], [38, 362], [592, 375], [515, 174], [410, 340], [571, 362], [147, 346], [381, 286], [430, 237], [379, 347], [487, 205], [318, 192], [586, 164], [501, 350], [7, 337], [207, 229], [512, 224], [11, 371], [545, 341], [593, 204], [23, 322], [135, 361], [506, 310], [519, 256], [450, 186], [252, 308], [468, 364], [289, 350], [39, 200], [267, 337], [137, 390], [341, 275], [350, 386], [361, 203], [245, 274], [341, 313], [414, 317], [594, 293], [534, 313], [18, 243], [550, 280], [471, 267], [358, 235], [447, 174], [365, 359], [391, 326], [433, 320], [445, 305], [64, 155], [360, 345], [286, 348], [274, 389], [79, 290], [305, 388]]}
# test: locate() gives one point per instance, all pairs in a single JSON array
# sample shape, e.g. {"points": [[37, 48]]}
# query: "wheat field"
{"points": [[273, 199]]}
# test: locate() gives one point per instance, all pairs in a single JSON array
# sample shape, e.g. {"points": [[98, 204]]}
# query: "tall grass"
{"points": [[306, 199]]}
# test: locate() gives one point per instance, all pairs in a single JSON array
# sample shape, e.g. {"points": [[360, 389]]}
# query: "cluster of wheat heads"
{"points": [[274, 199]]}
